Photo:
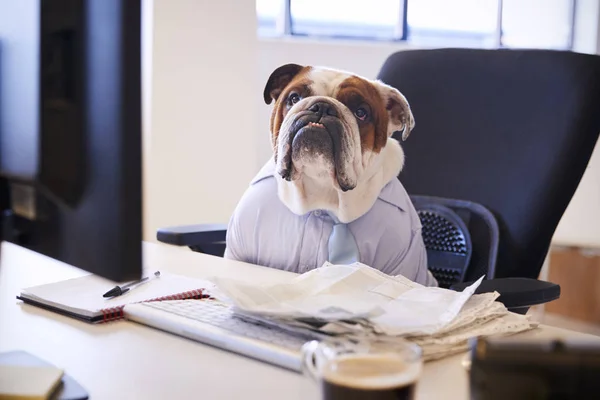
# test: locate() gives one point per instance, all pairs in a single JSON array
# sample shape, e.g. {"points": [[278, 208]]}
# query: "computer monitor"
{"points": [[70, 132]]}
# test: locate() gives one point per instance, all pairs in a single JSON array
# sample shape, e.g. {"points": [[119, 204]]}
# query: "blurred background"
{"points": [[206, 127]]}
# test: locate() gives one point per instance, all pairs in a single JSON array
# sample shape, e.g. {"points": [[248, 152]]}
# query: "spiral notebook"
{"points": [[82, 298]]}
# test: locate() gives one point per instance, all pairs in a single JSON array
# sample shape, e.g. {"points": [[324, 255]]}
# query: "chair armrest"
{"points": [[192, 235], [517, 294]]}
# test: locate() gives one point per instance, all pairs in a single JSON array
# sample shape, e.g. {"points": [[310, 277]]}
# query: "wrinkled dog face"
{"points": [[330, 125]]}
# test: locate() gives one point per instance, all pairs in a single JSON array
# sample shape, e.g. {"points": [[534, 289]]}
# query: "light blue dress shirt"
{"points": [[263, 231]]}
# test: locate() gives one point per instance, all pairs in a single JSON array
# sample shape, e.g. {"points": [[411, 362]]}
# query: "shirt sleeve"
{"points": [[407, 256], [234, 243], [418, 256], [237, 239]]}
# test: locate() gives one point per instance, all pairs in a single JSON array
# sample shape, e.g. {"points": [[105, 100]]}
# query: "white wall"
{"points": [[202, 68], [200, 155], [580, 225], [587, 21]]}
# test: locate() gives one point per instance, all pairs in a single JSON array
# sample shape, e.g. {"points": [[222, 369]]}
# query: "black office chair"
{"points": [[461, 238], [509, 130]]}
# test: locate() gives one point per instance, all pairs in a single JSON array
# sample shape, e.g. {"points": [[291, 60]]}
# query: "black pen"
{"points": [[119, 290]]}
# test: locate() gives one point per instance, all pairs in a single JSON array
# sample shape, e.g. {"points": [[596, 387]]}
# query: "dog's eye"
{"points": [[361, 114], [294, 98]]}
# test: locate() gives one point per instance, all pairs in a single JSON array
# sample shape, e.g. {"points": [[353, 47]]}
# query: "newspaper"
{"points": [[329, 293], [394, 305], [359, 300]]}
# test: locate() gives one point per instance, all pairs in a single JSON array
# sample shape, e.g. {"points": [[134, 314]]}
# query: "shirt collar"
{"points": [[267, 171], [394, 193]]}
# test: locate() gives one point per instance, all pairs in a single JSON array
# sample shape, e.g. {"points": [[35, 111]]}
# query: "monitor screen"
{"points": [[70, 131]]}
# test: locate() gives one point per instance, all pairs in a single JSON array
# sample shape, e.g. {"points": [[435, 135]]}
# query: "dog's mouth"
{"points": [[311, 136]]}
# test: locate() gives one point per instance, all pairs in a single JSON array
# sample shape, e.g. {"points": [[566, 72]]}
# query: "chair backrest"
{"points": [[512, 130], [461, 238]]}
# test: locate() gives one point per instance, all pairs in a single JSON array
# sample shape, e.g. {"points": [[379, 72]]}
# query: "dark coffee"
{"points": [[331, 391], [362, 377]]}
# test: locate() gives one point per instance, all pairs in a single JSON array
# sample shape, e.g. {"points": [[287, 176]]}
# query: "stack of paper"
{"points": [[361, 301]]}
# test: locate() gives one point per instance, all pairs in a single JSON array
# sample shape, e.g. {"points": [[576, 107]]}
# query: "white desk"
{"points": [[124, 360]]}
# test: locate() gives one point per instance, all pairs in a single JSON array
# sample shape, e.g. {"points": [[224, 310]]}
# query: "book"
{"points": [[26, 382], [67, 389], [81, 298]]}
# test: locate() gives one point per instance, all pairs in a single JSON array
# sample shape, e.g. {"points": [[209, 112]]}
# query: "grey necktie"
{"points": [[342, 245]]}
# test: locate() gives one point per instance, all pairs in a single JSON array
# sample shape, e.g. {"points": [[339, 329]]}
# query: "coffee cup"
{"points": [[374, 369]]}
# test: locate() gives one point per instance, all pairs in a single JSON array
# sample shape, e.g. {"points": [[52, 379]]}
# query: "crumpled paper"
{"points": [[359, 300]]}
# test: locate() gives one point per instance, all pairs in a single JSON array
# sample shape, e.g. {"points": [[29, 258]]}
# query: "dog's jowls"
{"points": [[331, 136]]}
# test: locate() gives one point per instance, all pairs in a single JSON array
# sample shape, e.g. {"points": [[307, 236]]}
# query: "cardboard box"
{"points": [[577, 271]]}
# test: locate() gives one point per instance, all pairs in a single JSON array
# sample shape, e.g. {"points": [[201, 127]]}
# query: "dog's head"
{"points": [[331, 125]]}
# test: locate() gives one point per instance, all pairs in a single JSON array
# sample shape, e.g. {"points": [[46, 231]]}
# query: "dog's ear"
{"points": [[279, 79], [401, 117]]}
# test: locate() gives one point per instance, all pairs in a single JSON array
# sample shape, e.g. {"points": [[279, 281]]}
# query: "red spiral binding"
{"points": [[112, 314], [116, 313]]}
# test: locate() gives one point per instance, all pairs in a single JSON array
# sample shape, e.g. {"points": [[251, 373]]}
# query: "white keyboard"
{"points": [[214, 323], [220, 315]]}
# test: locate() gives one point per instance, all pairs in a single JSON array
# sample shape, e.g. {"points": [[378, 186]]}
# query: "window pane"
{"points": [[266, 13], [537, 23], [345, 18], [455, 22]]}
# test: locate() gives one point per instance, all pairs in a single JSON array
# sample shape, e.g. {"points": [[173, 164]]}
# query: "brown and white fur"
{"points": [[331, 136]]}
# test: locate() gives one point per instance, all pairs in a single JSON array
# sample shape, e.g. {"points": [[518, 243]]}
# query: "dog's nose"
{"points": [[323, 108]]}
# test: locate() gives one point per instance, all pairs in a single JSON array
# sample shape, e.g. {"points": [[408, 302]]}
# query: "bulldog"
{"points": [[333, 174]]}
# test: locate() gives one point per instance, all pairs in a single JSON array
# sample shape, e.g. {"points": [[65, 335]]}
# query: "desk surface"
{"points": [[127, 360]]}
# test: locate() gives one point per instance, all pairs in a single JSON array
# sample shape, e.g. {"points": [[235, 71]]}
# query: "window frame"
{"points": [[284, 26]]}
